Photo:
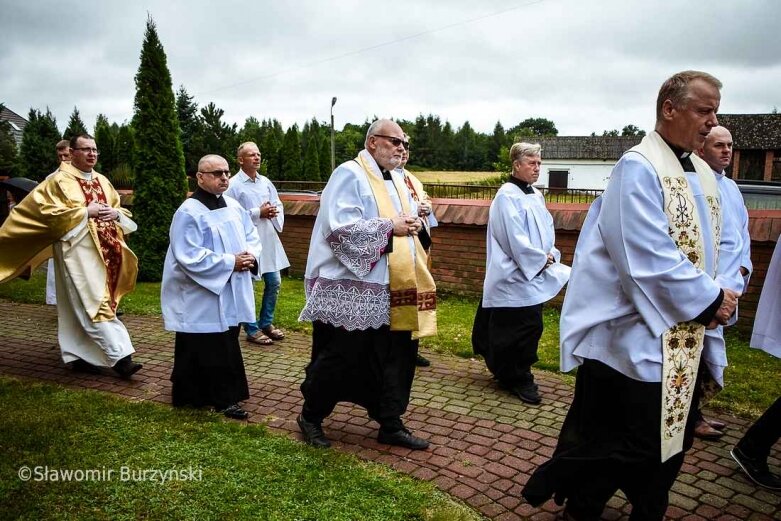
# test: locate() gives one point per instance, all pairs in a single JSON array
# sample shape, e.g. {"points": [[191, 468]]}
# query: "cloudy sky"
{"points": [[588, 65]]}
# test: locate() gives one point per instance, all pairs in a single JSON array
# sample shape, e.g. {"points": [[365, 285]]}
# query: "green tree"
{"points": [[292, 163], [311, 168], [610, 133], [495, 143], [632, 130], [325, 157], [531, 127], [106, 139], [187, 112], [271, 149], [37, 153], [75, 126], [217, 137], [7, 148], [160, 183]]}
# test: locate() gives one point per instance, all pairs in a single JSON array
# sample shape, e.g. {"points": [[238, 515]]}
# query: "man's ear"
{"points": [[667, 109]]}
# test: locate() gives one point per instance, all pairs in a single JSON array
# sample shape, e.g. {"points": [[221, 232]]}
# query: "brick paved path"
{"points": [[484, 442]]}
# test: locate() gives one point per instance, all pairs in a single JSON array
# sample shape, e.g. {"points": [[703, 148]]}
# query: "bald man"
{"points": [[735, 251], [207, 292]]}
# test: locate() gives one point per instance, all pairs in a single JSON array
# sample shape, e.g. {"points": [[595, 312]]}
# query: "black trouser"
{"points": [[507, 338], [763, 434], [372, 368], [610, 440]]}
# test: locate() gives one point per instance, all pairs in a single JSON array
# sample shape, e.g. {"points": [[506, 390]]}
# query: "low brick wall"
{"points": [[458, 250]]}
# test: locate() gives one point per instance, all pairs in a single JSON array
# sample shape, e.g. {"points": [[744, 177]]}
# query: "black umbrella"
{"points": [[19, 187]]}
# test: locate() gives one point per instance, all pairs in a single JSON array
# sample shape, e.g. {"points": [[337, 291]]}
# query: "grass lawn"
{"points": [[216, 469], [456, 177], [752, 382]]}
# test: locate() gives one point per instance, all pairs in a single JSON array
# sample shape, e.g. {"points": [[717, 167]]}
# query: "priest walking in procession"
{"points": [[207, 292], [75, 214], [523, 271], [643, 291], [368, 289], [753, 450]]}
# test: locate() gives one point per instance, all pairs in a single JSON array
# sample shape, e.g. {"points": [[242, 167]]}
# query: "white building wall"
{"points": [[587, 174]]}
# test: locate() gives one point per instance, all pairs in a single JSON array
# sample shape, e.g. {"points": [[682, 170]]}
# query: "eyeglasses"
{"points": [[219, 173], [395, 141], [88, 150]]}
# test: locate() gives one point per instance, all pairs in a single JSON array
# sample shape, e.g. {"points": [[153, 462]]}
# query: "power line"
{"points": [[373, 47]]}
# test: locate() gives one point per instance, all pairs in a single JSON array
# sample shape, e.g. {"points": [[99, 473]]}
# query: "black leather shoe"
{"points": [[402, 438], [235, 411], [527, 393], [422, 362], [756, 470], [84, 367], [126, 367], [313, 433]]}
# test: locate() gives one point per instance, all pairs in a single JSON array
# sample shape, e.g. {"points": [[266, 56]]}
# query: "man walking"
{"points": [[258, 196], [368, 289]]}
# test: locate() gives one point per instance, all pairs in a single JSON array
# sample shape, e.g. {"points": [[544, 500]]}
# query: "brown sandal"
{"points": [[273, 333], [260, 338]]}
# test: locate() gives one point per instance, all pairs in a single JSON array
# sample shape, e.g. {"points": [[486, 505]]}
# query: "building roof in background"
{"points": [[585, 147], [753, 131], [17, 123]]}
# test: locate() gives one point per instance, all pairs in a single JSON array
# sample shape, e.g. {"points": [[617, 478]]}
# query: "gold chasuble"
{"points": [[97, 259], [413, 294], [682, 344]]}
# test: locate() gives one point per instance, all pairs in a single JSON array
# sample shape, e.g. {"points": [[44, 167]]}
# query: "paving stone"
{"points": [[486, 442]]}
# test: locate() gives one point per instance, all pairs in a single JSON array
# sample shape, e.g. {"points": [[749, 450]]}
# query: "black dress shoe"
{"points": [[527, 393], [126, 367], [756, 469], [716, 424], [82, 366], [402, 438], [422, 362], [313, 433], [235, 411]]}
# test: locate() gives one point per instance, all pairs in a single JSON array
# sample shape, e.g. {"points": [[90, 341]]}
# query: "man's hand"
{"points": [[244, 261], [424, 208], [404, 225], [727, 308], [268, 210], [93, 209], [102, 212]]}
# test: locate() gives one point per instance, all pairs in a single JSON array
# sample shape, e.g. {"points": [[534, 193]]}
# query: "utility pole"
{"points": [[333, 149]]}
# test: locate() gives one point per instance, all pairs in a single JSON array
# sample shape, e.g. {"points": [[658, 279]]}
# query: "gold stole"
{"points": [[413, 294], [682, 344]]}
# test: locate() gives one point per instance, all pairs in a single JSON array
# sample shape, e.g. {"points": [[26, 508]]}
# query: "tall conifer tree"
{"points": [[160, 183], [38, 154], [75, 126]]}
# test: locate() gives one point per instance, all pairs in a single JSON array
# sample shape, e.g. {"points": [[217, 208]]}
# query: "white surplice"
{"points": [[347, 278], [519, 238], [767, 322], [251, 195], [629, 281], [201, 292]]}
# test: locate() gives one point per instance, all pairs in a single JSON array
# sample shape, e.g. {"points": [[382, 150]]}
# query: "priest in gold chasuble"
{"points": [[75, 215]]}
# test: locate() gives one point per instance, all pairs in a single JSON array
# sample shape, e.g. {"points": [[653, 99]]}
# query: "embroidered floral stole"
{"points": [[682, 344], [413, 297]]}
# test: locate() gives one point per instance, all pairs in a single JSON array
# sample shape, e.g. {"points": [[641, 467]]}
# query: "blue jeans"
{"points": [[271, 282]]}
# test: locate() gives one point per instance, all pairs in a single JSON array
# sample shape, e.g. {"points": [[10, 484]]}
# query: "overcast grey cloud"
{"points": [[588, 65]]}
